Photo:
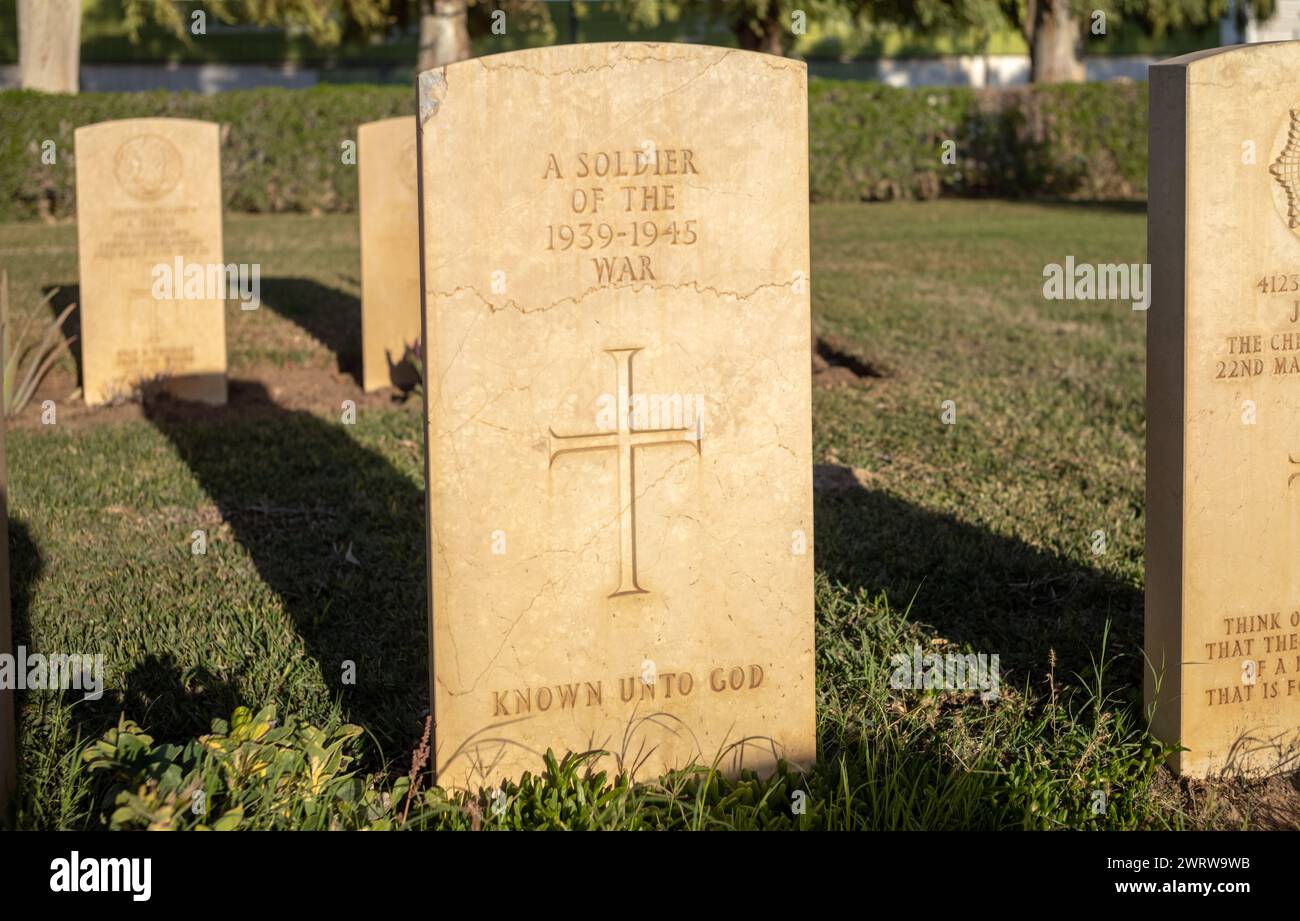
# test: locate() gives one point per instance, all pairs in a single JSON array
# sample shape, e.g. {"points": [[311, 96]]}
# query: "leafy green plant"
{"points": [[252, 772], [255, 773], [27, 361]]}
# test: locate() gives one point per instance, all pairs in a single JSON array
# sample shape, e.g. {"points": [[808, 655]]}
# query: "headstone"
{"points": [[390, 252], [616, 319], [1223, 396], [149, 238]]}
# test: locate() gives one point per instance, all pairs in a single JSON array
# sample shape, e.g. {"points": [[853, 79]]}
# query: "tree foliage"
{"points": [[1160, 16], [1156, 17], [1039, 21], [759, 25], [326, 22]]}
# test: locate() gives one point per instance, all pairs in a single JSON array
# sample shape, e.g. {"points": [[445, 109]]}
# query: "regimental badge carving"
{"points": [[1286, 170], [147, 167]]}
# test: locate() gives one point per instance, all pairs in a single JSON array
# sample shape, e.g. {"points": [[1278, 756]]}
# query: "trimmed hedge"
{"points": [[871, 142], [282, 149]]}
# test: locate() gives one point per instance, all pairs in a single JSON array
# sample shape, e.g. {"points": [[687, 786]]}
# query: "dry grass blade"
{"points": [[45, 354], [25, 365]]}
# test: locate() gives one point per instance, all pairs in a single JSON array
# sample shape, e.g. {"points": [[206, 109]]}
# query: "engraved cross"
{"points": [[624, 440]]}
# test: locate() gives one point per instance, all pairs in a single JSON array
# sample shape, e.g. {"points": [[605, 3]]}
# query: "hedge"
{"points": [[282, 149], [870, 142]]}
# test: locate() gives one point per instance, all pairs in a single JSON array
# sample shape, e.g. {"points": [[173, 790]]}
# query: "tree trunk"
{"points": [[767, 35], [49, 45], [444, 34], [1056, 46]]}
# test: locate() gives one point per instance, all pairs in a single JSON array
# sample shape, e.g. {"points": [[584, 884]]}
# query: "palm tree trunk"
{"points": [[1056, 46], [767, 35], [444, 34], [49, 45]]}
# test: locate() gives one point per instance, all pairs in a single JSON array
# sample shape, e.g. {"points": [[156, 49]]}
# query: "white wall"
{"points": [[975, 70], [1282, 26]]}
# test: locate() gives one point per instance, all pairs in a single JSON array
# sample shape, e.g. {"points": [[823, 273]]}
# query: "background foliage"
{"points": [[872, 142], [282, 150]]}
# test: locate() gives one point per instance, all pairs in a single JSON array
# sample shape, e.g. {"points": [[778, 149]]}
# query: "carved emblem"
{"points": [[147, 166], [624, 442]]}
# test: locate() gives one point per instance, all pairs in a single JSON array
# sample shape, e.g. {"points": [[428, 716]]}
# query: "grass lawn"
{"points": [[977, 536]]}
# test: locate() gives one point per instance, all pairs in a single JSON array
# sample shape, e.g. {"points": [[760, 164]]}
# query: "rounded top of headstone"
{"points": [[605, 62], [168, 125], [554, 60], [1255, 51], [396, 122], [149, 158]]}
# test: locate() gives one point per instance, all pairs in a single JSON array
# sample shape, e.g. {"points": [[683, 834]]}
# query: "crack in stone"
{"points": [[488, 64], [621, 57], [634, 287]]}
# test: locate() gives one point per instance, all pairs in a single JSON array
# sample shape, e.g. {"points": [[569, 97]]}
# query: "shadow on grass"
{"points": [[332, 316], [335, 530], [159, 692], [995, 594], [64, 295]]}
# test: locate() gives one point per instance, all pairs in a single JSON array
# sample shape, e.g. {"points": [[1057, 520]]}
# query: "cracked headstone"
{"points": [[615, 246]]}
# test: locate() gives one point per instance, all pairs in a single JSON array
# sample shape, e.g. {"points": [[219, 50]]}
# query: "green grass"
{"points": [[311, 281], [974, 536]]}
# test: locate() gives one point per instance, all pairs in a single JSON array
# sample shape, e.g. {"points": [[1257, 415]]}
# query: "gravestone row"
{"points": [[616, 330], [153, 280], [609, 248]]}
